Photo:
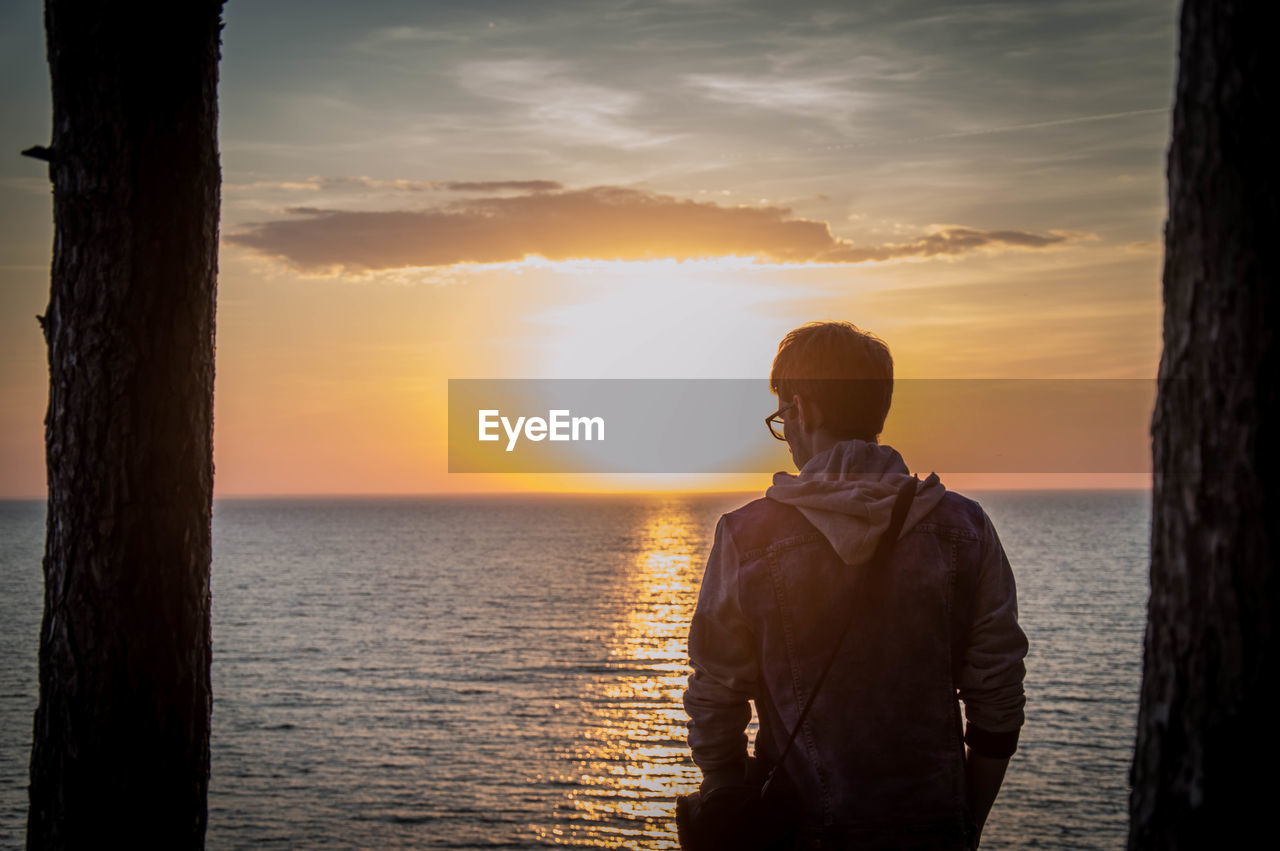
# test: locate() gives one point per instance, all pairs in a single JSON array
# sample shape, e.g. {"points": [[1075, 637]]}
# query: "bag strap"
{"points": [[884, 547]]}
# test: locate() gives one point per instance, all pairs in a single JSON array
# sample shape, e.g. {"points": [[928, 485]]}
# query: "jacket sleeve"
{"points": [[990, 680], [722, 654]]}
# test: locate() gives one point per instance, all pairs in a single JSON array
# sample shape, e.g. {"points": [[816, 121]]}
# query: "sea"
{"points": [[505, 672]]}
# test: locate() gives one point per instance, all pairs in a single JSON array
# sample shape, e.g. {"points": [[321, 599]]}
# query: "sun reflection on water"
{"points": [[633, 758]]}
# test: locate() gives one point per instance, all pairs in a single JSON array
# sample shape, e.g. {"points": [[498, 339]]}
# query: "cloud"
{"points": [[436, 185], [548, 97], [602, 223], [500, 185], [949, 241], [379, 40], [353, 184], [832, 95], [340, 183]]}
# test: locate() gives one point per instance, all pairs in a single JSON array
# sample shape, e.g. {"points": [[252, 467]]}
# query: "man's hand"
{"points": [[719, 818], [983, 776]]}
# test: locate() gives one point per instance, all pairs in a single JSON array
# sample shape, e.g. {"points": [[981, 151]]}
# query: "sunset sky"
{"points": [[414, 192]]}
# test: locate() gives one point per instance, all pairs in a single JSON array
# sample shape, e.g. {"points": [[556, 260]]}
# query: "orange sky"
{"points": [[416, 194]]}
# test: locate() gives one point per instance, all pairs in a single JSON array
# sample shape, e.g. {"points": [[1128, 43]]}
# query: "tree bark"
{"points": [[1206, 730], [121, 748]]}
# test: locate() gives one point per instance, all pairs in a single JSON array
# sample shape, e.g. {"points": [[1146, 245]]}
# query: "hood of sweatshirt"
{"points": [[848, 492]]}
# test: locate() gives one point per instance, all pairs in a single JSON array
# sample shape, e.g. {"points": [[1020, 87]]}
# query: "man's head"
{"points": [[838, 382]]}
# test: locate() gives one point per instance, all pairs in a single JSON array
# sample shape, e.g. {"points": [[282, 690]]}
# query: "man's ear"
{"points": [[798, 404], [810, 416]]}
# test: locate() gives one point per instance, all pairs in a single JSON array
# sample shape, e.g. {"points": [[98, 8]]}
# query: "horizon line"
{"points": [[375, 495]]}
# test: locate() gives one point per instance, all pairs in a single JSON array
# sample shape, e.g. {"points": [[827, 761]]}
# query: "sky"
{"points": [[416, 192]]}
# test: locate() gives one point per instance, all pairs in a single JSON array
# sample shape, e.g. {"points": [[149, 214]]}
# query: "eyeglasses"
{"points": [[774, 421]]}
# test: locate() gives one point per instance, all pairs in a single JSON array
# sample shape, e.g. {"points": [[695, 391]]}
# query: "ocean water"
{"points": [[507, 672]]}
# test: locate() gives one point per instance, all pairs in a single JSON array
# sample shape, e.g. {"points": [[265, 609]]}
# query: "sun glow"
{"points": [[665, 318], [345, 391]]}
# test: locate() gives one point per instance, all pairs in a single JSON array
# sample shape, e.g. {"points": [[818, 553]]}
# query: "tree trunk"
{"points": [[121, 749], [1206, 730]]}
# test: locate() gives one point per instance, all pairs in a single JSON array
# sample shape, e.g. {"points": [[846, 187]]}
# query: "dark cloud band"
{"points": [[602, 223]]}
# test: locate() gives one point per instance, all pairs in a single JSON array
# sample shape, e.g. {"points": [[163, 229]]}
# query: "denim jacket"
{"points": [[881, 753]]}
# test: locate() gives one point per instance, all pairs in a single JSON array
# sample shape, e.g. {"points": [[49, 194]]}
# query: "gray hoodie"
{"points": [[847, 493]]}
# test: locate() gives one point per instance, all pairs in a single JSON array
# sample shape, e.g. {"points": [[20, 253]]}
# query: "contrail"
{"points": [[981, 131], [1080, 119]]}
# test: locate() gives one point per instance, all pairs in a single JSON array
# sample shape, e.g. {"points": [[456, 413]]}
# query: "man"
{"points": [[882, 759]]}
